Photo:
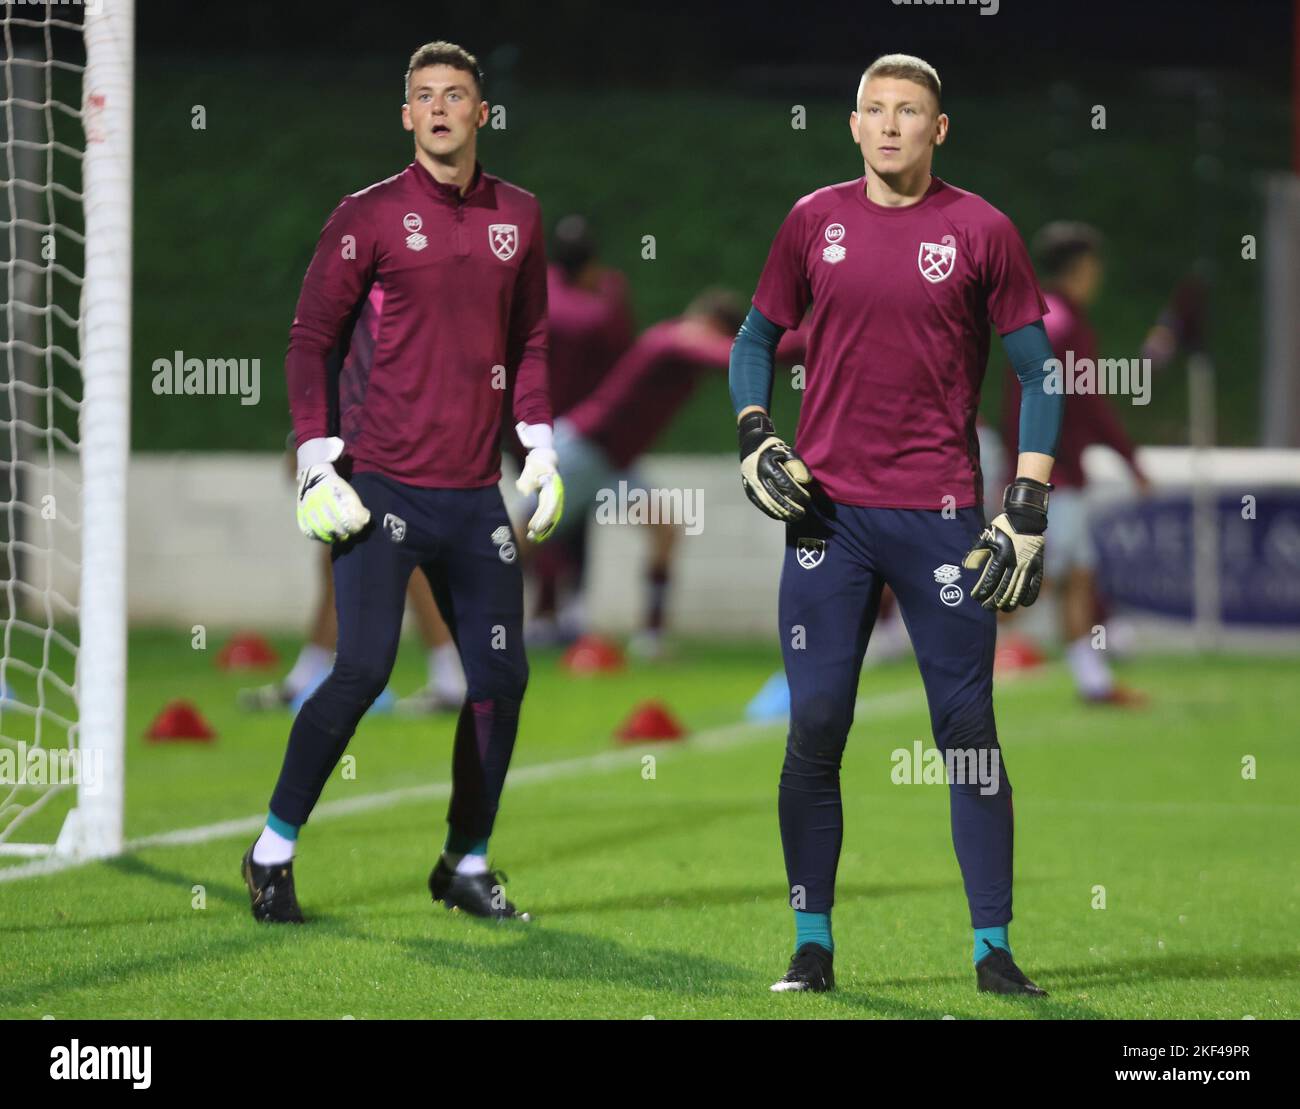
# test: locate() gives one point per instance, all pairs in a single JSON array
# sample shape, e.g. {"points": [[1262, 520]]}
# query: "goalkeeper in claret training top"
{"points": [[904, 274], [423, 306]]}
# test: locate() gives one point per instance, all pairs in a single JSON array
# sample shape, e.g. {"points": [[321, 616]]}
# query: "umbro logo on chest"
{"points": [[413, 223], [834, 252]]}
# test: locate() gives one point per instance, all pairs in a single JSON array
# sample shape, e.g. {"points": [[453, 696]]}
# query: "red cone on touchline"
{"points": [[1016, 653], [246, 651], [593, 654], [650, 720], [179, 720]]}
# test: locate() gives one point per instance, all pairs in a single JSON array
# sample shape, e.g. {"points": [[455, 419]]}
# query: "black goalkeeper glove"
{"points": [[774, 477], [1010, 549]]}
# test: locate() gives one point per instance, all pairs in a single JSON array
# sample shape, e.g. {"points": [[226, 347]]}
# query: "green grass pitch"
{"points": [[663, 896]]}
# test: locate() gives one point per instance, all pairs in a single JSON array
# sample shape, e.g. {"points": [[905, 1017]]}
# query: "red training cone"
{"points": [[246, 651], [593, 654], [1016, 653], [179, 720], [650, 720]]}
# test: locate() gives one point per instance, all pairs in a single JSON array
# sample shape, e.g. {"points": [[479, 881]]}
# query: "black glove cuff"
{"points": [[1025, 503], [752, 430]]}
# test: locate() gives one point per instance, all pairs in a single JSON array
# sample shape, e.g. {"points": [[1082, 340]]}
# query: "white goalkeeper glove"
{"points": [[541, 476], [328, 507], [1010, 550]]}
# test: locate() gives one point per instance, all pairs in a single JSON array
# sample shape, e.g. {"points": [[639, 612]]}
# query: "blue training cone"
{"points": [[772, 702]]}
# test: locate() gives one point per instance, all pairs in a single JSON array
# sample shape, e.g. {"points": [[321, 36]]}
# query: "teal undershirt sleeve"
{"points": [[753, 356], [1040, 411]]}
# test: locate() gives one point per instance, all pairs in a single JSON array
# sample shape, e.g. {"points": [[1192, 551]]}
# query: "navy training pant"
{"points": [[837, 561], [462, 540]]}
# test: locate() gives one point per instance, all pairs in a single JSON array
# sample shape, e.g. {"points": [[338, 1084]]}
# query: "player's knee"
{"points": [[963, 724], [818, 724], [972, 755], [505, 682], [976, 770], [359, 680], [815, 743]]}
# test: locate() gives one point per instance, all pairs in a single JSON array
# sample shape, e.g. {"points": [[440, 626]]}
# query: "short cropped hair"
{"points": [[573, 245], [1059, 245], [444, 53], [905, 67], [722, 306]]}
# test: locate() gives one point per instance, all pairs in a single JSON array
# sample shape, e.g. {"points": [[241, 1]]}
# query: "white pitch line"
{"points": [[723, 737]]}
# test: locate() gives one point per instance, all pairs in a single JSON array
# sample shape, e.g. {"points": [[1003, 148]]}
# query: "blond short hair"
{"points": [[905, 67]]}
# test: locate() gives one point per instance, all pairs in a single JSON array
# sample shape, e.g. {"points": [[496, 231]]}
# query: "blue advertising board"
{"points": [[1144, 551]]}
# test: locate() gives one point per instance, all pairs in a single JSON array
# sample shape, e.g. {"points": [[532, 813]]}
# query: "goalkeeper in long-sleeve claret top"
{"points": [[903, 274], [424, 303]]}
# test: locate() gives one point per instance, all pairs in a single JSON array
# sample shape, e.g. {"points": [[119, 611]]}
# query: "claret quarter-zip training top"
{"points": [[421, 309]]}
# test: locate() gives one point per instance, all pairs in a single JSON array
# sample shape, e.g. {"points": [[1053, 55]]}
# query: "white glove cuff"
{"points": [[535, 435], [315, 451]]}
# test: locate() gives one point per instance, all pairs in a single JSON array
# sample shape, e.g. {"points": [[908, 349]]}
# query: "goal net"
{"points": [[65, 255]]}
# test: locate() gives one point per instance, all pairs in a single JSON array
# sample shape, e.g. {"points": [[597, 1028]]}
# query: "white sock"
{"points": [[466, 864], [445, 674], [313, 662], [272, 848], [1090, 669]]}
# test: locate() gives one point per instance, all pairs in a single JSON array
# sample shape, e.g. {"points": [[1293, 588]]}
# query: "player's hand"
{"points": [[774, 477], [541, 476], [328, 507], [1010, 549]]}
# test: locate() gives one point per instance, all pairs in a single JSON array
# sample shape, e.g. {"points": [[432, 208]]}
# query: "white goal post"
{"points": [[65, 422]]}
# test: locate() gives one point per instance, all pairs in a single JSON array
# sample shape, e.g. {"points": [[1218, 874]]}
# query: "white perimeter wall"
{"points": [[213, 541]]}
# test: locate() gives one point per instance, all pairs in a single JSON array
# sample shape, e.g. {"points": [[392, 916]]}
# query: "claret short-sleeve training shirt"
{"points": [[898, 337]]}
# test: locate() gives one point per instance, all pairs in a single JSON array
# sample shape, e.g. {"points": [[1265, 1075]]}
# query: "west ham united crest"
{"points": [[936, 260], [504, 240], [810, 552]]}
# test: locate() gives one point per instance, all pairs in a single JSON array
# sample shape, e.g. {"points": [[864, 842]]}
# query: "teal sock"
{"points": [[281, 827], [996, 936], [458, 843], [812, 928]]}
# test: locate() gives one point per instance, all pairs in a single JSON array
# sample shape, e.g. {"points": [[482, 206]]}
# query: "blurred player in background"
{"points": [[433, 282], [591, 327], [1071, 268], [603, 435], [904, 274], [445, 686]]}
